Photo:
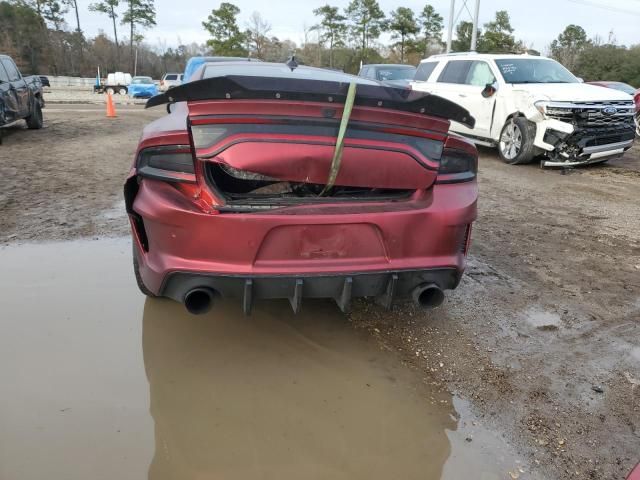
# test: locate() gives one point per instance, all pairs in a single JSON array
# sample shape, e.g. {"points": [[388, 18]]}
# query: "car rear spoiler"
{"points": [[247, 87]]}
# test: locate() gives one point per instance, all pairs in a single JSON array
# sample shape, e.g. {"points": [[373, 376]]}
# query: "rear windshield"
{"points": [[280, 71], [534, 70], [623, 87], [395, 73], [171, 77], [141, 80]]}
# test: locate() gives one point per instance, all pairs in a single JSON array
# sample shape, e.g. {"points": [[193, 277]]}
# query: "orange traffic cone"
{"points": [[111, 109]]}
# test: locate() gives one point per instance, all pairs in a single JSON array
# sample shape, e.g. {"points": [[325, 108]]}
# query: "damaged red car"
{"points": [[283, 181]]}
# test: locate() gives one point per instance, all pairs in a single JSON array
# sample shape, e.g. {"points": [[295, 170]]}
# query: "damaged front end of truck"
{"points": [[582, 133]]}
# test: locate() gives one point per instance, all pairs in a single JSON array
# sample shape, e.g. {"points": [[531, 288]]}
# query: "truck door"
{"points": [[18, 86], [8, 100]]}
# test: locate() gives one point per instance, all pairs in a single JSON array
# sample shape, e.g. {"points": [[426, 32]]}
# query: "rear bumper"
{"points": [[385, 287], [364, 246]]}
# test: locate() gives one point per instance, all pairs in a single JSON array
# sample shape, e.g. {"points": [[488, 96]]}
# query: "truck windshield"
{"points": [[534, 70]]}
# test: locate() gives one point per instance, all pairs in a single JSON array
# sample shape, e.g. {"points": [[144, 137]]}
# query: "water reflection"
{"points": [[282, 396]]}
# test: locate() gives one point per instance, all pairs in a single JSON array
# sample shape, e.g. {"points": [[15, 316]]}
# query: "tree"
{"points": [[53, 12], [431, 24], [139, 14], [462, 42], [256, 34], [601, 62], [403, 25], [367, 22], [227, 39], [108, 7], [74, 4], [333, 27], [497, 37], [569, 45], [22, 35]]}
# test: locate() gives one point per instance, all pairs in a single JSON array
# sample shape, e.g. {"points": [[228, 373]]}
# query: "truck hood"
{"points": [[570, 92]]}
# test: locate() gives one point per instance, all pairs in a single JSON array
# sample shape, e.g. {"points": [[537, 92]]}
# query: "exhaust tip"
{"points": [[199, 300], [428, 296]]}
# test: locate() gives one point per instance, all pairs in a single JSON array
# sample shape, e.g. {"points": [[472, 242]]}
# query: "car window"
{"points": [[424, 71], [455, 71], [181, 77], [480, 74], [11, 69], [141, 80], [3, 74], [623, 87], [395, 73], [171, 77]]}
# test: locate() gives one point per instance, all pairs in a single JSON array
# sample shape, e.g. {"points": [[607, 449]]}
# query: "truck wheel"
{"points": [[110, 91], [136, 272], [122, 91], [516, 141], [34, 121]]}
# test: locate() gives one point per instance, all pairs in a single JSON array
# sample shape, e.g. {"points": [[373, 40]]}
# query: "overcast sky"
{"points": [[536, 22]]}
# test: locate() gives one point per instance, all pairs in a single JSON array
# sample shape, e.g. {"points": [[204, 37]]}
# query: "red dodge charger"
{"points": [[283, 181]]}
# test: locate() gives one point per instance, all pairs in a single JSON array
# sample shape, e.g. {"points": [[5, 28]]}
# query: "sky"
{"points": [[536, 22]]}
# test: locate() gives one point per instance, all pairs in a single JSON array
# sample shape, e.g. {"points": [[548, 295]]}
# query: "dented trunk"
{"points": [[252, 157]]}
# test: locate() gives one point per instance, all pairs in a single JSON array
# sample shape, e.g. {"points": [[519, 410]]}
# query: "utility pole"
{"points": [[474, 34], [452, 12]]}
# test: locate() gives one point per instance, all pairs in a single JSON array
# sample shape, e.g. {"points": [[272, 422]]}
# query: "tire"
{"points": [[637, 120], [34, 121], [110, 91], [515, 145], [136, 271], [122, 91]]}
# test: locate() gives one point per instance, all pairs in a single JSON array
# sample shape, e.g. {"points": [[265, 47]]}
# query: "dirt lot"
{"points": [[542, 336]]}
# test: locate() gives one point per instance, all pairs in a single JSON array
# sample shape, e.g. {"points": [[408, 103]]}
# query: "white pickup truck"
{"points": [[531, 106]]}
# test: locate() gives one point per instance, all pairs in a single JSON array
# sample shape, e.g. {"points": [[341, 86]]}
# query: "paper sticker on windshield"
{"points": [[508, 68]]}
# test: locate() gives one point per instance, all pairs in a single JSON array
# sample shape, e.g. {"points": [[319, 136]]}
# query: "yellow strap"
{"points": [[337, 154]]}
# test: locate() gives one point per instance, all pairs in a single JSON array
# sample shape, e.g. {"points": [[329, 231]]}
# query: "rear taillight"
{"points": [[459, 161], [457, 166], [172, 163]]}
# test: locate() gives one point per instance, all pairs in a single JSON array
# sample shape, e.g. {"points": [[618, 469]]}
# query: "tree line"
{"points": [[35, 33]]}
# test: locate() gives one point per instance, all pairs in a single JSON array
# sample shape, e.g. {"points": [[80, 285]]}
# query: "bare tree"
{"points": [[257, 34]]}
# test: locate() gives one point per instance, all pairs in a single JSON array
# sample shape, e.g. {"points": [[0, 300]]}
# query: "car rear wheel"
{"points": [[516, 141], [637, 120], [34, 121], [136, 271], [122, 91]]}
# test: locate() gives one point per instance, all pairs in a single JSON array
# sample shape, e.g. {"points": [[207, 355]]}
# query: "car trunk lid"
{"points": [[263, 140]]}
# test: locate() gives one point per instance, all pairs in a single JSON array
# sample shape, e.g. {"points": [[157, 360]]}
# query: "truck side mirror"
{"points": [[489, 90]]}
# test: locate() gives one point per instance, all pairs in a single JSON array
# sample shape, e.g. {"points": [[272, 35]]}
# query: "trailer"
{"points": [[117, 82]]}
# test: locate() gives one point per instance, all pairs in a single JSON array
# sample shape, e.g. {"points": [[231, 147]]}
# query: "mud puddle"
{"points": [[98, 382]]}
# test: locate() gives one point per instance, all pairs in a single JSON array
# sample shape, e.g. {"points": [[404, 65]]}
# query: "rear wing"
{"points": [[247, 87]]}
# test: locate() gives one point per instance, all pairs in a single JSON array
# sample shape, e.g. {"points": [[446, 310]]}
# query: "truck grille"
{"points": [[590, 115]]}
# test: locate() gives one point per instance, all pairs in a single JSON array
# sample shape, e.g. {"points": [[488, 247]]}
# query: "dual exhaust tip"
{"points": [[199, 300], [427, 295]]}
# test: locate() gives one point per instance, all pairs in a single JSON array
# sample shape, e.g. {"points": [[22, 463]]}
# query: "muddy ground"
{"points": [[542, 337]]}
